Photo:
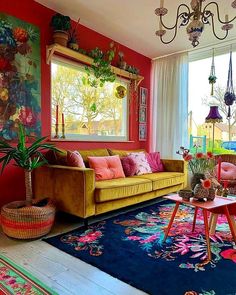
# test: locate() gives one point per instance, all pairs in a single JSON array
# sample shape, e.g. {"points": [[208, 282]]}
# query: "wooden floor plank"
{"points": [[60, 271]]}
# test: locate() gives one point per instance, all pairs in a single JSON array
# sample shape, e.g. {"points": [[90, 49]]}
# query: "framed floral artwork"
{"points": [[142, 132], [20, 77]]}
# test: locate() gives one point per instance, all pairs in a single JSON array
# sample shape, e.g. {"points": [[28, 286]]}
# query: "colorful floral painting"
{"points": [[20, 80]]}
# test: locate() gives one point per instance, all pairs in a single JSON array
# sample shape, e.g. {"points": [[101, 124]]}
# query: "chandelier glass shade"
{"points": [[194, 17]]}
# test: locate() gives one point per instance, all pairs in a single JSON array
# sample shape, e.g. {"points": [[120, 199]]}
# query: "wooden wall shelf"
{"points": [[74, 55]]}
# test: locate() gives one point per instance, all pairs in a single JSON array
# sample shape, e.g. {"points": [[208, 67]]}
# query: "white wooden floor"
{"points": [[60, 271]]}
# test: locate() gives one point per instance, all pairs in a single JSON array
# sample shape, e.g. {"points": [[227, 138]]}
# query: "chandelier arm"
{"points": [[168, 42], [177, 17], [214, 32], [218, 13]]}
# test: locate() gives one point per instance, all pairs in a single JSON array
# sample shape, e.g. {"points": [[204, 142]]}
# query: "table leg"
{"points": [[171, 220], [213, 222], [230, 223], [207, 234], [194, 218]]}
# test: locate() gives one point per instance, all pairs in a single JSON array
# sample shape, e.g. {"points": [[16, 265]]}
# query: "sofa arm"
{"points": [[71, 188], [172, 165]]}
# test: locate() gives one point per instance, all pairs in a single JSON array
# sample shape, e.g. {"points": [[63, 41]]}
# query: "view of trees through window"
{"points": [[90, 113], [200, 100]]}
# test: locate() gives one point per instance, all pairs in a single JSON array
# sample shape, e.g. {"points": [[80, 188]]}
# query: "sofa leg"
{"points": [[86, 223]]}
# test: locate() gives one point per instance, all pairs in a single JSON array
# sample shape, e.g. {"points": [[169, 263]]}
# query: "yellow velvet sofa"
{"points": [[75, 190]]}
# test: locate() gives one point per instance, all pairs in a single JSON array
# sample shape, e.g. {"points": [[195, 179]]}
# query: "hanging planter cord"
{"points": [[212, 78], [229, 96]]}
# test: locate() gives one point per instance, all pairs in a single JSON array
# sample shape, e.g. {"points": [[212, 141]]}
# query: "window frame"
{"points": [[90, 138]]}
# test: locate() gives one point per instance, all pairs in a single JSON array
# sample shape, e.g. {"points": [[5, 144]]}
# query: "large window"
{"points": [[200, 100], [90, 114]]}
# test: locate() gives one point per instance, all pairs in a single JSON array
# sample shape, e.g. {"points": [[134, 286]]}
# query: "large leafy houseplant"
{"points": [[26, 157]]}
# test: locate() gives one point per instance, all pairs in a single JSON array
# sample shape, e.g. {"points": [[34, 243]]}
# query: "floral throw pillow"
{"points": [[142, 166]]}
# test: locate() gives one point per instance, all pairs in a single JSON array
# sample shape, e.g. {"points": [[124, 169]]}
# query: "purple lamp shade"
{"points": [[214, 115]]}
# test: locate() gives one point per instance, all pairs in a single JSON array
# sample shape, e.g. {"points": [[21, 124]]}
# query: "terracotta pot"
{"points": [[60, 37]]}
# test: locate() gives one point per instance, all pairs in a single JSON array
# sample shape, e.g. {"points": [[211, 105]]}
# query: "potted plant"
{"points": [[61, 26], [26, 219]]}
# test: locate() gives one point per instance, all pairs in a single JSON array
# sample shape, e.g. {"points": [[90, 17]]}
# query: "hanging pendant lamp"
{"points": [[212, 78], [229, 96]]}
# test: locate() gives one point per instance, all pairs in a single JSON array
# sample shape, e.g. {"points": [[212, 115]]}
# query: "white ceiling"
{"points": [[133, 22]]}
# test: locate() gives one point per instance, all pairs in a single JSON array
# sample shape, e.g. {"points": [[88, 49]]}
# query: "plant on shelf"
{"points": [[61, 26], [100, 71], [24, 214], [73, 38]]}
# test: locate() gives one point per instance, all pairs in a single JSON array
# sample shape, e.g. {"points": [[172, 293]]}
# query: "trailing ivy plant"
{"points": [[100, 71]]}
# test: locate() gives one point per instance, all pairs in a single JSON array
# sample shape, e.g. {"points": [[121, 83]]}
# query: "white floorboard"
{"points": [[60, 271]]}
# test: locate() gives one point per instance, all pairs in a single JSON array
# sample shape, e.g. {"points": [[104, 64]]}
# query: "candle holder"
{"points": [[63, 131], [56, 131]]}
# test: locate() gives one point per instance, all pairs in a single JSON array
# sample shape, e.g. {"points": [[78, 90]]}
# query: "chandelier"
{"points": [[194, 20]]}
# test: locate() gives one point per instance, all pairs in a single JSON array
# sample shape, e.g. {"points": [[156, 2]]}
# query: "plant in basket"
{"points": [[26, 219]]}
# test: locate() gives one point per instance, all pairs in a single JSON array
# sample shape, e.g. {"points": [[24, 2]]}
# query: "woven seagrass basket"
{"points": [[27, 222]]}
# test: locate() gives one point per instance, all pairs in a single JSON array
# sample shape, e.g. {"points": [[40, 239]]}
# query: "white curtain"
{"points": [[169, 104]]}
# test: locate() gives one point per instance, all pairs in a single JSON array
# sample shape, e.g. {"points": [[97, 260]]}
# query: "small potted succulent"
{"points": [[26, 219], [61, 26]]}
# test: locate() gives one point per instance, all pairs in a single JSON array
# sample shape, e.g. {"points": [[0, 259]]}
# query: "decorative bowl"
{"points": [[185, 194]]}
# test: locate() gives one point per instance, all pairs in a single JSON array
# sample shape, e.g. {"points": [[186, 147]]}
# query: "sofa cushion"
{"points": [[106, 167], [93, 153], [113, 189], [58, 157], [142, 166], [228, 171], [129, 166], [163, 179], [74, 159], [155, 162], [123, 153]]}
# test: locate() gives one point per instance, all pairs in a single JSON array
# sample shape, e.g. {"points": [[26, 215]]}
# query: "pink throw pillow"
{"points": [[106, 167], [142, 166], [155, 162], [129, 166], [75, 159], [228, 171]]}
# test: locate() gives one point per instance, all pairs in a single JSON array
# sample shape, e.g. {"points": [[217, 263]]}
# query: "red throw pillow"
{"points": [[106, 167], [75, 159], [129, 166], [155, 162]]}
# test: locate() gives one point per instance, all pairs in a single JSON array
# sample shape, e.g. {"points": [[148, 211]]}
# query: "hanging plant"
{"points": [[212, 78], [100, 71], [229, 96]]}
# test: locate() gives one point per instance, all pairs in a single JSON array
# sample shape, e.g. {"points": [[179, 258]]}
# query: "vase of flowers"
{"points": [[199, 164]]}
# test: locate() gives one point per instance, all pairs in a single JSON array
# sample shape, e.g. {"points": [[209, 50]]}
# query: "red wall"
{"points": [[12, 180]]}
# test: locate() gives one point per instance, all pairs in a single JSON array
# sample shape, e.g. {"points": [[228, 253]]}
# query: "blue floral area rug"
{"points": [[130, 247]]}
